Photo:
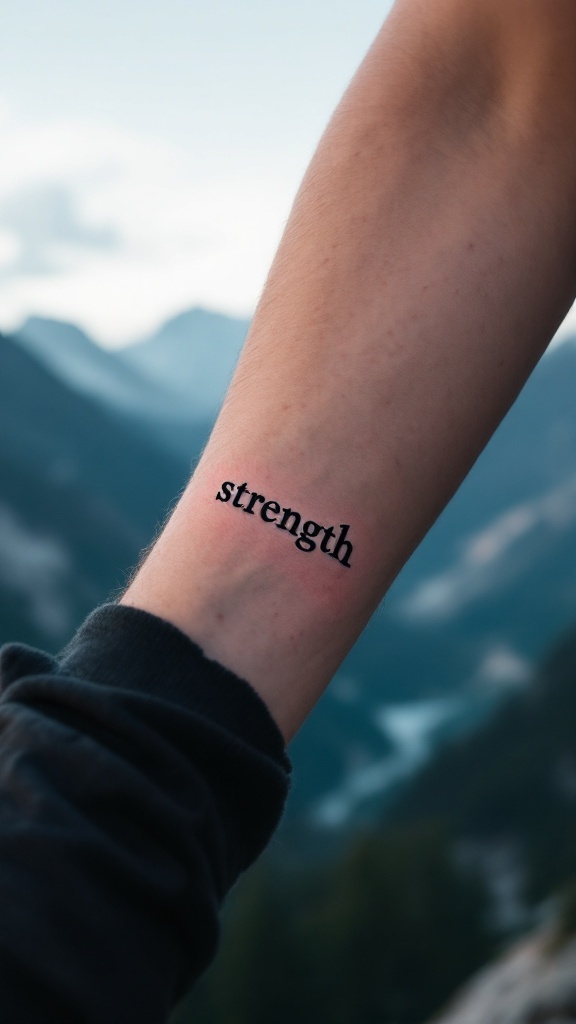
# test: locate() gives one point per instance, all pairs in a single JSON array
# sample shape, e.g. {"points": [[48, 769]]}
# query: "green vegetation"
{"points": [[515, 779], [383, 934], [384, 930]]}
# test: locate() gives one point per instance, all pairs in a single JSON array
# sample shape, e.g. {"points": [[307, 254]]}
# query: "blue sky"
{"points": [[151, 150]]}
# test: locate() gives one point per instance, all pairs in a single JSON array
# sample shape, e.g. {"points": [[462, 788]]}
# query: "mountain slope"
{"points": [[82, 491], [91, 369], [105, 377], [192, 355], [80, 487], [470, 615], [486, 593], [530, 984], [513, 781]]}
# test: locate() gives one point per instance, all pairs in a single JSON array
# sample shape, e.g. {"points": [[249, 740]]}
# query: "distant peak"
{"points": [[197, 313], [44, 329]]}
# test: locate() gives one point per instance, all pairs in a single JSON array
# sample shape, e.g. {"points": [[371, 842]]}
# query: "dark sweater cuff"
{"points": [[122, 646]]}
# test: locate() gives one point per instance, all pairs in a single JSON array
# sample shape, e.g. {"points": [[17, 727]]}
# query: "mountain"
{"points": [[509, 788], [82, 490], [442, 734], [90, 369], [507, 798], [484, 596], [473, 863], [103, 376], [531, 984], [192, 355], [472, 612]]}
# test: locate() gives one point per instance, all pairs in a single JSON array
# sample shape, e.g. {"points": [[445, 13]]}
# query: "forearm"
{"points": [[426, 264]]}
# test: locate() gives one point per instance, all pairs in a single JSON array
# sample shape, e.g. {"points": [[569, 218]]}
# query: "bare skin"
{"points": [[426, 264]]}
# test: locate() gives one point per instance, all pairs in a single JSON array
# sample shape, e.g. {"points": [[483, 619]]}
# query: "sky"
{"points": [[151, 151]]}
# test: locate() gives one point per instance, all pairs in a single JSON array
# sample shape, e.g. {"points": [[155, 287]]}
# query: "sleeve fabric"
{"points": [[138, 779]]}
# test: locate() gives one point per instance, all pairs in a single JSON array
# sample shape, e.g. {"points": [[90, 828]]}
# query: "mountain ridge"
{"points": [[472, 611]]}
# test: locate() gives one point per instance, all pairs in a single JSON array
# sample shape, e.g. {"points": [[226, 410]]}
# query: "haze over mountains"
{"points": [[182, 369], [81, 492], [97, 444]]}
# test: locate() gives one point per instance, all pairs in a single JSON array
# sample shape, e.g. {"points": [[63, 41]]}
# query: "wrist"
{"points": [[280, 614]]}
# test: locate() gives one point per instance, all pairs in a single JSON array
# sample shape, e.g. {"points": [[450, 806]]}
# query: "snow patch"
{"points": [[37, 567], [486, 557], [411, 728]]}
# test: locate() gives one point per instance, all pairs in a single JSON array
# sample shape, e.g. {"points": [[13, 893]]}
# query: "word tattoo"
{"points": [[304, 537]]}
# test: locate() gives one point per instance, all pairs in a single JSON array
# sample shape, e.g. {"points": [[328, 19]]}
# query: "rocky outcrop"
{"points": [[533, 983]]}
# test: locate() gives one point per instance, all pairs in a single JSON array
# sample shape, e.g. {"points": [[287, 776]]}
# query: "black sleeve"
{"points": [[137, 780]]}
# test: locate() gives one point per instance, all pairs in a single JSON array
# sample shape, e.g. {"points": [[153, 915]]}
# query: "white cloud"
{"points": [[177, 235], [6, 113], [10, 248], [117, 231]]}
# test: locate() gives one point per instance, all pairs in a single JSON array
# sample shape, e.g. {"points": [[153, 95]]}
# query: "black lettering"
{"points": [[342, 543], [309, 530], [295, 525], [267, 506], [329, 532], [255, 497], [242, 489], [226, 493], [290, 521]]}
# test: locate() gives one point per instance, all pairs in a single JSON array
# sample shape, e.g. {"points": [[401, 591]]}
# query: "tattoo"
{"points": [[290, 521]]}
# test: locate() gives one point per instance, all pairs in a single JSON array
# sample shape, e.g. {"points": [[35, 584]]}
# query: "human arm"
{"points": [[109, 761], [426, 264]]}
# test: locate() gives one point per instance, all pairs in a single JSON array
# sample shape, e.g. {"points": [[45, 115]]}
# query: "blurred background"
{"points": [[151, 155]]}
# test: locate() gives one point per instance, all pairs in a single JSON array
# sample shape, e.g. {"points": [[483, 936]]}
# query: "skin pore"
{"points": [[427, 262]]}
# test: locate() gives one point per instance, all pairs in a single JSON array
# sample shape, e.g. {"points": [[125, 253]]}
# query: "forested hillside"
{"points": [[383, 927]]}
